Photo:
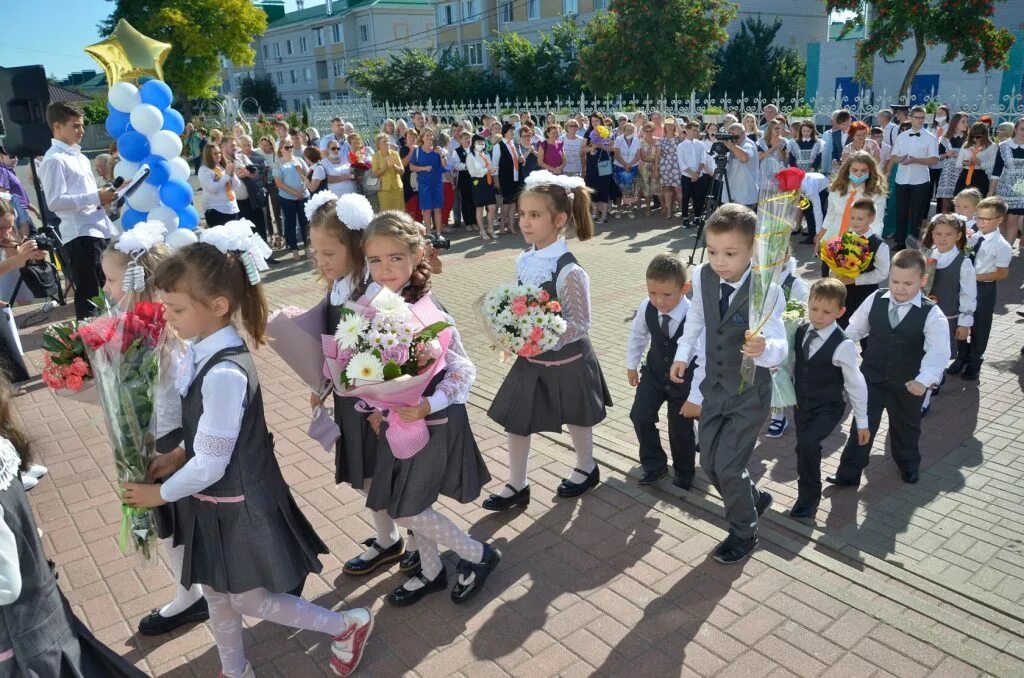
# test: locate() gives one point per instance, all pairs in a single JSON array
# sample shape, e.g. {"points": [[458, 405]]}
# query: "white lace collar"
{"points": [[539, 266], [10, 463], [341, 290]]}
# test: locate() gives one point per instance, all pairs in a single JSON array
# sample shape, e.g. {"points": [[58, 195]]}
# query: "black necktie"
{"points": [[664, 325], [976, 249], [723, 303], [915, 134], [811, 336]]}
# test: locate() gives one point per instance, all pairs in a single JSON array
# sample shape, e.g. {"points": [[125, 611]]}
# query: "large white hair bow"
{"points": [[238, 236]]}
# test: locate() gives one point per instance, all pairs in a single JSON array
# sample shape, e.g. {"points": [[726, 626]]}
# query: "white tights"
{"points": [[227, 609], [433, 528], [519, 453], [184, 598], [385, 527]]}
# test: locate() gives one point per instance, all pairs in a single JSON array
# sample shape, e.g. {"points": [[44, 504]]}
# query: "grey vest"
{"points": [[818, 381], [894, 354], [37, 624], [946, 287], [661, 355], [724, 336]]}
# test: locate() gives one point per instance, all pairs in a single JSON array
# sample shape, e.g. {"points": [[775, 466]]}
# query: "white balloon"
{"points": [[124, 96], [126, 169], [147, 119], [164, 215], [166, 144], [145, 198], [180, 168], [180, 238]]}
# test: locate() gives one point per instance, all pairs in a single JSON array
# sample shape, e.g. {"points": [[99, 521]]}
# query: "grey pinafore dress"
{"points": [[536, 397], [245, 531]]}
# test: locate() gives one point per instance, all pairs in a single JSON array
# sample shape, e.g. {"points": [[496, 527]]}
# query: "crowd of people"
{"points": [[928, 297]]}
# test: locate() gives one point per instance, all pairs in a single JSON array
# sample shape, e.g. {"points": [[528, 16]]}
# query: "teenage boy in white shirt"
{"points": [[913, 153]]}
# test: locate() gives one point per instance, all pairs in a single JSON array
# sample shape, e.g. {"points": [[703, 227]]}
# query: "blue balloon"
{"points": [[157, 93], [131, 217], [173, 121], [188, 218], [133, 146], [117, 123], [176, 194], [159, 170]]}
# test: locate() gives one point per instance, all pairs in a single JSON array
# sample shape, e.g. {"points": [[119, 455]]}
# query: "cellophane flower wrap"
{"points": [[385, 352], [847, 255], [931, 264], [783, 392], [777, 210], [523, 319], [600, 136], [66, 368], [124, 350]]}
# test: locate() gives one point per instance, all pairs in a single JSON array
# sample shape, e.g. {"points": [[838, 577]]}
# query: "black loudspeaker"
{"points": [[24, 96]]}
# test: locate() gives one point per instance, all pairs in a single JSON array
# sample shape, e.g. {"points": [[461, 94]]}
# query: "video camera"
{"points": [[719, 150], [47, 239], [439, 242]]}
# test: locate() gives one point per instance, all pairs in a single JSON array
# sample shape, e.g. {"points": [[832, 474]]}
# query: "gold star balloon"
{"points": [[129, 55]]}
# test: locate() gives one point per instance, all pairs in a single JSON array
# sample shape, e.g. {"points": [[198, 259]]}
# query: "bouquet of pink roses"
{"points": [[66, 368], [385, 353], [523, 319]]}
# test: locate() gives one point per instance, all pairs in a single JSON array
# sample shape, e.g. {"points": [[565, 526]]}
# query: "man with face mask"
{"points": [[742, 171]]}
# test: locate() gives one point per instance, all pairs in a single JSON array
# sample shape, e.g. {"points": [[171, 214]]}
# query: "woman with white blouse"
{"points": [[977, 158], [220, 186], [335, 170]]}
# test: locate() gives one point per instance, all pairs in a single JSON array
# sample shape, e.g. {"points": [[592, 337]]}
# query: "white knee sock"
{"points": [[183, 597], [518, 458], [583, 443], [226, 625]]}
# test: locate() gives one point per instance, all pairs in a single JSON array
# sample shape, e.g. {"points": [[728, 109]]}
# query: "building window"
{"points": [[570, 7], [288, 47], [298, 104], [532, 10], [473, 54], [308, 72], [294, 79], [266, 51], [280, 77], [446, 14], [277, 50], [336, 30], [470, 10], [364, 33], [339, 68], [506, 13], [303, 46], [321, 70], [318, 35]]}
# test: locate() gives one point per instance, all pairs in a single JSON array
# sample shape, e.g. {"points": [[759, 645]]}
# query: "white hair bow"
{"points": [[238, 236]]}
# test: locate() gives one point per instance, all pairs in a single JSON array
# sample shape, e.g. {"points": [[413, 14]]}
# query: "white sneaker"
{"points": [[247, 673], [37, 471], [28, 481], [49, 305], [347, 649]]}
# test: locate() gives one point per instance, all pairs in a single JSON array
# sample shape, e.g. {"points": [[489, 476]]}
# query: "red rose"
{"points": [[98, 332], [790, 179]]}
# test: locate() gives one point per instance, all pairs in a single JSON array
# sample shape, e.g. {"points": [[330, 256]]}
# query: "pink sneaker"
{"points": [[348, 647]]}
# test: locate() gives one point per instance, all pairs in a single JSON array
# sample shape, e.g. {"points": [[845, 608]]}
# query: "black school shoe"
{"points": [[569, 489], [957, 366], [463, 592], [804, 509], [519, 498], [403, 597], [410, 562], [735, 549], [360, 566], [764, 500], [682, 482], [842, 482], [155, 624], [971, 372], [651, 477]]}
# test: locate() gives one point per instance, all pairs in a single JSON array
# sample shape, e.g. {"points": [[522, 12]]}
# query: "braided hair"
{"points": [[400, 226]]}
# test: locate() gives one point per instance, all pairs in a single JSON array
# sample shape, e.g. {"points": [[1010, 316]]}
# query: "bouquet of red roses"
{"points": [[66, 368], [124, 351]]}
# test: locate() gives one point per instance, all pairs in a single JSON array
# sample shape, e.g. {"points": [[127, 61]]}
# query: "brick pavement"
{"points": [[909, 581]]}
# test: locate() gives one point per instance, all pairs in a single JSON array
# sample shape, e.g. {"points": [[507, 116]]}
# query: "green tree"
{"points": [[200, 32], [751, 63], [653, 48], [418, 75], [259, 94], [96, 110], [549, 67], [964, 28]]}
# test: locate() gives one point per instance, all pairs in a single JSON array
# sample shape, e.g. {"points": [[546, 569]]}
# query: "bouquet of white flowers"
{"points": [[523, 319]]}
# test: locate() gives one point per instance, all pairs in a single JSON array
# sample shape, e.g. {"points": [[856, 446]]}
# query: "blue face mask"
{"points": [[859, 179]]}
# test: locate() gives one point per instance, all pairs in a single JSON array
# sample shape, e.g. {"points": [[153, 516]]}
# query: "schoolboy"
{"points": [[659, 323], [966, 204], [862, 214], [717, 332], [991, 258], [825, 365], [907, 348]]}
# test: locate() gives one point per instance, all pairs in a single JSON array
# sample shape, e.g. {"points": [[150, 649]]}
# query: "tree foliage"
{"points": [[259, 94], [652, 48], [200, 32], [95, 110], [549, 67], [414, 75], [751, 63], [964, 28]]}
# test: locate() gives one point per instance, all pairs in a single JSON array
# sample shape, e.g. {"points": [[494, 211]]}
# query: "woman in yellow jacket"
{"points": [[387, 165]]}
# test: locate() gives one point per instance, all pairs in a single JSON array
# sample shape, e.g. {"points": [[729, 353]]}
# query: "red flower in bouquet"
{"points": [[790, 179], [99, 332]]}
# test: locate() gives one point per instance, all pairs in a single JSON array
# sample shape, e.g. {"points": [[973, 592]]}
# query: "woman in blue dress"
{"points": [[429, 163]]}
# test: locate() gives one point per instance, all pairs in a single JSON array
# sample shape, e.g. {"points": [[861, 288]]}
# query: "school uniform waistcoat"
{"points": [[894, 354], [725, 336], [818, 382]]}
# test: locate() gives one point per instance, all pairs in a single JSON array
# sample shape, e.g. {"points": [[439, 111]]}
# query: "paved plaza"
{"points": [[894, 579]]}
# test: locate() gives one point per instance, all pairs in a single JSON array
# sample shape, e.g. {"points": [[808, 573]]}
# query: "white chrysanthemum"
{"points": [[349, 329], [365, 367], [388, 303]]}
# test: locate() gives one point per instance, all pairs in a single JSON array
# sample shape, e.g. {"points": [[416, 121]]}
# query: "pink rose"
{"points": [[80, 367], [519, 306], [536, 334], [74, 382], [543, 297], [555, 307], [529, 350]]}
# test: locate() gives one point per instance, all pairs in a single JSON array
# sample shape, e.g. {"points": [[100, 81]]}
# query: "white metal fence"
{"points": [[365, 113]]}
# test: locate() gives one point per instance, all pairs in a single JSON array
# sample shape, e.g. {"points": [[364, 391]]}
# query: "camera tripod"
{"points": [[719, 181]]}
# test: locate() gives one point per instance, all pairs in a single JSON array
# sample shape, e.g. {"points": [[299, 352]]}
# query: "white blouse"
{"points": [[215, 195], [10, 566], [225, 389], [968, 300], [339, 176], [572, 287], [985, 160], [837, 206]]}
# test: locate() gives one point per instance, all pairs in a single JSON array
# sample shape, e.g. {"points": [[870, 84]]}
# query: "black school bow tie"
{"points": [[915, 134]]}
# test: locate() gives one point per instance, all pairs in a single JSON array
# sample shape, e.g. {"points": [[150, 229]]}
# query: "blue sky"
{"points": [[31, 34]]}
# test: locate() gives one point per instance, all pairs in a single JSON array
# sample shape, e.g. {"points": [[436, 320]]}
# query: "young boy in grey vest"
{"points": [[907, 351], [718, 334], [825, 365], [659, 323]]}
